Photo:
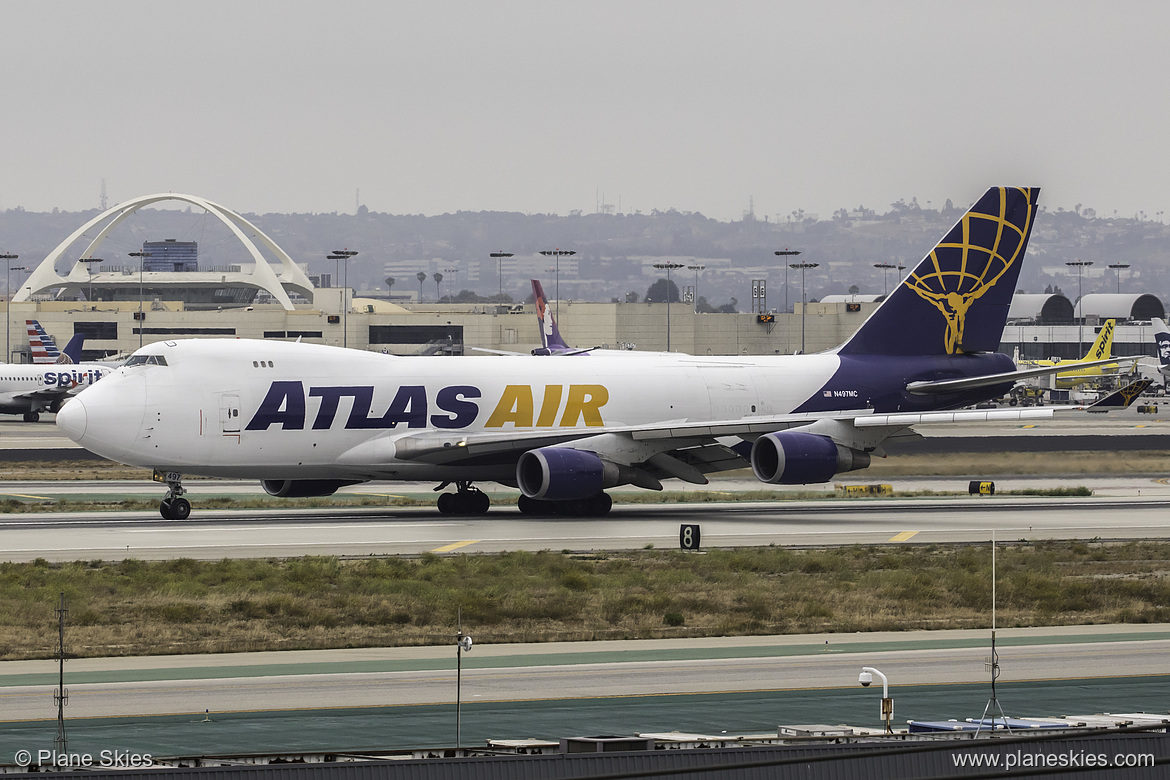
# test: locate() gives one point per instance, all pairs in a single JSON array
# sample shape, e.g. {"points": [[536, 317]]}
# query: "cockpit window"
{"points": [[146, 360]]}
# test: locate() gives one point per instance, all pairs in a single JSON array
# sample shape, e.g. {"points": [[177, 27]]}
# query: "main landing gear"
{"points": [[174, 506], [467, 500], [32, 416]]}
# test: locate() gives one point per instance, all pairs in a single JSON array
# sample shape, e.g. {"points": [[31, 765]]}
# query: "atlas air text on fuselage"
{"points": [[286, 405]]}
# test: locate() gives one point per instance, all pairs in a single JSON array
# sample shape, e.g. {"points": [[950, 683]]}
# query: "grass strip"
{"points": [[184, 606]]}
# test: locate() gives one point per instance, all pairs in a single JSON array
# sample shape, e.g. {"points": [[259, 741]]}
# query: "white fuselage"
{"points": [[276, 410]]}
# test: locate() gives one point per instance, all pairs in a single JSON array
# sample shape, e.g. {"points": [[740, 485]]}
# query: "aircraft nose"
{"points": [[72, 419], [106, 418]]}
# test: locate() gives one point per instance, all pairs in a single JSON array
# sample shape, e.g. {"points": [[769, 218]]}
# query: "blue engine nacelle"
{"points": [[795, 458], [304, 488], [561, 473]]}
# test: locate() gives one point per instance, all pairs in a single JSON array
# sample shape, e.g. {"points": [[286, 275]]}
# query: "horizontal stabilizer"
{"points": [[1122, 398]]}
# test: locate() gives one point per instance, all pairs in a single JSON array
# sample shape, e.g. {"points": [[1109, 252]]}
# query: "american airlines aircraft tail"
{"points": [[308, 419], [44, 347]]}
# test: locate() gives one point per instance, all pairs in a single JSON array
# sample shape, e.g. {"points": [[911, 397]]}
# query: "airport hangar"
{"points": [[269, 295]]}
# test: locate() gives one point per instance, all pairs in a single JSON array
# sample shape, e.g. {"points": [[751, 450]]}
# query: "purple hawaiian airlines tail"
{"points": [[550, 336], [956, 301]]}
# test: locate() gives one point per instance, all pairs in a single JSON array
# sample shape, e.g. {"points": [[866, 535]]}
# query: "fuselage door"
{"points": [[229, 413]]}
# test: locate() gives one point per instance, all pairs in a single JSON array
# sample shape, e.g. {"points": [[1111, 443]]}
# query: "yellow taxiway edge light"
{"points": [[454, 546], [904, 536]]}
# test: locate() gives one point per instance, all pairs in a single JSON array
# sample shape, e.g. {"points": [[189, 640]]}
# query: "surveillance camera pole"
{"points": [[462, 644], [887, 702]]}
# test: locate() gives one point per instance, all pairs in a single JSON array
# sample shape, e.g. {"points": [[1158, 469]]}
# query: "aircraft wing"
{"points": [[705, 445], [44, 395]]}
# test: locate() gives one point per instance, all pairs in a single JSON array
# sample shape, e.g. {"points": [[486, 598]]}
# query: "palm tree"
{"points": [[422, 277], [389, 284], [438, 277]]}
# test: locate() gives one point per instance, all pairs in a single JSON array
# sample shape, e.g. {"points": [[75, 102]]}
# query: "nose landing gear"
{"points": [[173, 506]]}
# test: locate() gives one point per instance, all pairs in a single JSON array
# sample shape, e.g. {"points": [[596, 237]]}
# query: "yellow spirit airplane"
{"points": [[1079, 371], [307, 419]]}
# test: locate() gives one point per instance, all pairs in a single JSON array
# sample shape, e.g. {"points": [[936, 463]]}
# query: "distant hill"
{"points": [[615, 251]]}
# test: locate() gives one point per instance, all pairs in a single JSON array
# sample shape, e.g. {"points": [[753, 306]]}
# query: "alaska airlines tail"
{"points": [[1162, 339], [550, 336], [956, 301]]}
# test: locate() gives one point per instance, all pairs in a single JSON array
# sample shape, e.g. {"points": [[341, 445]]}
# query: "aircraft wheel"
{"points": [[530, 506], [180, 509], [600, 504], [447, 503], [164, 509], [32, 416], [479, 503]]}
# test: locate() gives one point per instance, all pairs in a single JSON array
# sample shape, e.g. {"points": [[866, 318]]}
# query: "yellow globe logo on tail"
{"points": [[958, 273]]}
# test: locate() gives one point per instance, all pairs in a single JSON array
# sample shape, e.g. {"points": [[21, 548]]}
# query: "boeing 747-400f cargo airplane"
{"points": [[307, 419]]}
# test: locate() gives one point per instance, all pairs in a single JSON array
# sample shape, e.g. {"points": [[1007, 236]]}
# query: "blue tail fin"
{"points": [[957, 299], [550, 335], [72, 351]]}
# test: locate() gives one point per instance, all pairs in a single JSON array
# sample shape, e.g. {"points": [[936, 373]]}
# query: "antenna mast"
{"points": [[992, 663], [61, 697]]}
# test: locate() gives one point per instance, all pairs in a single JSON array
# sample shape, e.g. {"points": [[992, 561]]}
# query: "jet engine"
{"points": [[304, 488], [560, 473], [795, 458]]}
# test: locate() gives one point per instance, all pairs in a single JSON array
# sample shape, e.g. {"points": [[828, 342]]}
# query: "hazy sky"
{"points": [[432, 107]]}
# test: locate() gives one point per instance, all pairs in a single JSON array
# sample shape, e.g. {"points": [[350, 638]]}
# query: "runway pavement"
{"points": [[212, 535], [281, 681]]}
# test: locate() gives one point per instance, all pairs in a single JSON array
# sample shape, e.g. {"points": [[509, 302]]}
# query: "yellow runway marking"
{"points": [[904, 536], [1028, 426], [454, 546], [22, 495]]}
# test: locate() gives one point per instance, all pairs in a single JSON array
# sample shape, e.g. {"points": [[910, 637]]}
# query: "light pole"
{"points": [[885, 276], [803, 298], [7, 258], [669, 267], [557, 254], [1119, 267], [89, 263], [696, 268], [865, 678], [499, 256], [344, 254], [454, 274], [786, 252], [141, 317], [1080, 266]]}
